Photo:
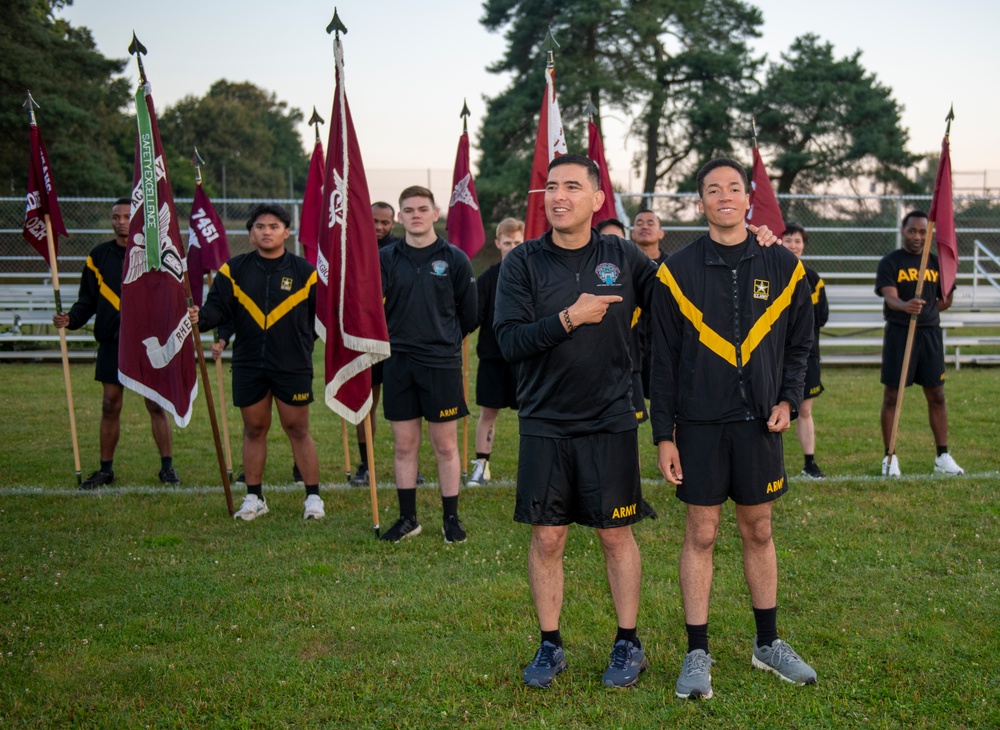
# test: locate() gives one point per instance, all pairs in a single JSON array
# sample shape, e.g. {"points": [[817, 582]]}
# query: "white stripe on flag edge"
{"points": [[164, 403]]}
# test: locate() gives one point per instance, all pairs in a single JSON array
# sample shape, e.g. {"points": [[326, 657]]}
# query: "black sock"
{"points": [[363, 450], [697, 637], [407, 502], [450, 506], [166, 462], [628, 635], [552, 637], [481, 455], [255, 489], [312, 489], [767, 625], [810, 459], [108, 467], [942, 449]]}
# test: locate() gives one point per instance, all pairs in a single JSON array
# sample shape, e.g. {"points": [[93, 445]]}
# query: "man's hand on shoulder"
{"points": [[765, 237]]}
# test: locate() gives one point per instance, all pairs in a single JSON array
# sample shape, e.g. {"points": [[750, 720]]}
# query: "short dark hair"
{"points": [[648, 210], [796, 227], [416, 191], [610, 222], [383, 204], [915, 213], [122, 201], [269, 209], [583, 161], [714, 165]]}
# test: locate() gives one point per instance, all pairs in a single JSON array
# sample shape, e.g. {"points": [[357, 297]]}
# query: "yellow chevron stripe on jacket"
{"points": [[716, 342], [266, 321], [819, 285], [103, 288], [636, 313]]}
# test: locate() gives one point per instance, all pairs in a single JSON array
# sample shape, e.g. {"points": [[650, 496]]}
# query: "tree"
{"points": [[247, 137], [82, 96], [825, 119]]}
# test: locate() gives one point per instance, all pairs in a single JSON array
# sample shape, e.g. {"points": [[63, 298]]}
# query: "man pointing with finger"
{"points": [[564, 307]]}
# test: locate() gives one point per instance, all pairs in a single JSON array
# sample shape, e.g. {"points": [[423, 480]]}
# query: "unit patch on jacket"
{"points": [[286, 283], [761, 289], [439, 268], [608, 274]]}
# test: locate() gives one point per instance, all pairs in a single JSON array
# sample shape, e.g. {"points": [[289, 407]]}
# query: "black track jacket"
{"points": [[728, 345], [273, 314], [100, 292], [579, 384]]}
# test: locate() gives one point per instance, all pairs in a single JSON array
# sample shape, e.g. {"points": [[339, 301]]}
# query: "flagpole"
{"points": [[372, 486], [911, 331], [347, 449], [54, 270], [222, 401], [465, 391]]}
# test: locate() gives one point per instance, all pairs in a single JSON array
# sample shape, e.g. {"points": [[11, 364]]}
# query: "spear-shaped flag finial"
{"points": [[197, 162], [951, 115], [315, 120], [135, 48], [550, 45], [30, 104], [336, 25], [590, 110], [465, 114]]}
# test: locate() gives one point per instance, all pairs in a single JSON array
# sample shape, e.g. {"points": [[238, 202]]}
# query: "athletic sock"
{"points": [[697, 637], [942, 450], [767, 625], [255, 489], [407, 502], [481, 455], [450, 506], [108, 467], [628, 635], [312, 489], [166, 462], [552, 637], [363, 450], [810, 459]]}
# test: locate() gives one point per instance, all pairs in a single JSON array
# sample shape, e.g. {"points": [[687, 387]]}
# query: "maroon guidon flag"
{"points": [[549, 143], [943, 214], [156, 356], [465, 222], [41, 200], [312, 205], [208, 246], [356, 333], [595, 151], [764, 210]]}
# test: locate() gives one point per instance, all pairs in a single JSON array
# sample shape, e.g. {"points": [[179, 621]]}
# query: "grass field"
{"points": [[146, 607]]}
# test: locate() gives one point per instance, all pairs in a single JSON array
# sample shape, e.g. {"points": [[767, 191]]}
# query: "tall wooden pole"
{"points": [[370, 450]]}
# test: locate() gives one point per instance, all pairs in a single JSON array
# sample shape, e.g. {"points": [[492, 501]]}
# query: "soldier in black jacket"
{"points": [[269, 298], [430, 305], [732, 329], [100, 293]]}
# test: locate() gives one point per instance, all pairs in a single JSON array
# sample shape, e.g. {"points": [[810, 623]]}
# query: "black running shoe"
{"points": [[549, 661], [453, 530], [402, 528], [360, 479], [169, 476], [420, 477], [812, 471], [98, 479]]}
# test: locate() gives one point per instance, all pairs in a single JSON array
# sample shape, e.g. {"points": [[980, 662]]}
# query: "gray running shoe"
{"points": [[549, 661], [781, 659], [628, 661], [480, 473], [695, 680], [360, 479], [402, 528]]}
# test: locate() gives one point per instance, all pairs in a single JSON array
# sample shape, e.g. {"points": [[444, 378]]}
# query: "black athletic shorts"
{"points": [[741, 461], [814, 386], [411, 390], [251, 385], [926, 360], [591, 480], [496, 384], [106, 370], [638, 399], [377, 373]]}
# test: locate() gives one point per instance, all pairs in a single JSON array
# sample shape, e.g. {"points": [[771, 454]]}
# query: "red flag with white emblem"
{"points": [[41, 199], [465, 222], [550, 143], [312, 205], [156, 356], [595, 151], [208, 246], [942, 214], [356, 332], [764, 210]]}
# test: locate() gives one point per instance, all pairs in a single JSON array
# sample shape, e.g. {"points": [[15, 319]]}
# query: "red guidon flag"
{"points": [[208, 247], [942, 213], [156, 349], [550, 143], [465, 222], [595, 151], [312, 206], [764, 210], [42, 200], [356, 333]]}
